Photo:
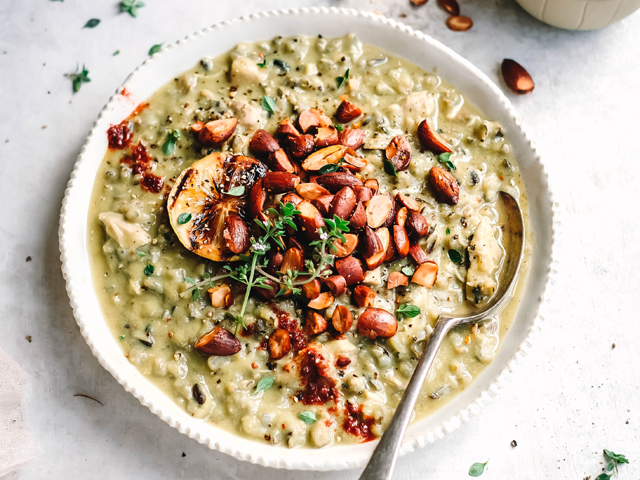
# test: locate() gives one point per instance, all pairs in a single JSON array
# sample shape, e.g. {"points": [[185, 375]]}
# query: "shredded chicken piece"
{"points": [[128, 235]]}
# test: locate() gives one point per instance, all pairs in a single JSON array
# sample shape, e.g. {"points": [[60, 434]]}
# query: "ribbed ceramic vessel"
{"points": [[580, 14], [397, 39]]}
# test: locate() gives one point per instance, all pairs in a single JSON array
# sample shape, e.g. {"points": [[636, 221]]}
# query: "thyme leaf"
{"points": [[408, 311], [615, 457], [169, 145], [236, 191], [331, 167], [612, 466], [155, 48], [269, 104], [183, 218], [444, 158], [477, 469], [79, 77], [342, 80], [264, 383], [307, 417], [131, 7], [455, 256], [408, 270], [390, 169], [94, 22]]}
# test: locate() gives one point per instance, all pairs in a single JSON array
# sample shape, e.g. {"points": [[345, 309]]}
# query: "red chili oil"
{"points": [[319, 387], [119, 136], [357, 423], [152, 183], [291, 326], [139, 109], [248, 330], [140, 160]]}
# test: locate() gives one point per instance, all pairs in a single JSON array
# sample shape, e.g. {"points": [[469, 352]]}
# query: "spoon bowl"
{"points": [[382, 462], [513, 244]]}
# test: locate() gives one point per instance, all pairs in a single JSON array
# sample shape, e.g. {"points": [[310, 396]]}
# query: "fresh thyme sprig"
{"points": [[78, 78], [336, 230], [251, 269], [208, 281], [613, 460], [256, 260]]}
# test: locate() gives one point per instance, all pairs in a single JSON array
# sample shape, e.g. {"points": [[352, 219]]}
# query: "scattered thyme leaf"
{"points": [[448, 231], [262, 64], [117, 52], [444, 158], [408, 270], [169, 145], [269, 104], [141, 254], [390, 169], [264, 383], [79, 77], [195, 294], [477, 469], [236, 191], [338, 127], [183, 218], [408, 311], [342, 80], [328, 168], [131, 7], [455, 256], [307, 417], [94, 22], [155, 48], [149, 269], [615, 457]]}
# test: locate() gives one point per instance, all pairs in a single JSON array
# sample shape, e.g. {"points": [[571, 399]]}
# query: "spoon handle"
{"points": [[380, 466]]}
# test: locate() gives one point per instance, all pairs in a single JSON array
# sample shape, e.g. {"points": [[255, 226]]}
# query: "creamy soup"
{"points": [[275, 232]]}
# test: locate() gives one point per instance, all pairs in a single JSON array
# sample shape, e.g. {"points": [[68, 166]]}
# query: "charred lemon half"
{"points": [[206, 209]]}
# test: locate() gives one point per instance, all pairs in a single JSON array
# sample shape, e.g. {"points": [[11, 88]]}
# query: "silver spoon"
{"points": [[383, 460]]}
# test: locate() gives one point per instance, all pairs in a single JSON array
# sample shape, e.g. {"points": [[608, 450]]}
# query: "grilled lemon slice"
{"points": [[207, 220]]}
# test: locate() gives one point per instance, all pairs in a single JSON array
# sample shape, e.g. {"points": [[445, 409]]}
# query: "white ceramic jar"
{"points": [[580, 14]]}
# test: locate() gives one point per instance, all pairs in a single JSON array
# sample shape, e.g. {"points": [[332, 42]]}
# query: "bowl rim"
{"points": [[236, 445]]}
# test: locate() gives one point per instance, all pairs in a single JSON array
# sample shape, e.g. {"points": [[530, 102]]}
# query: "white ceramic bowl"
{"points": [[580, 14], [373, 29]]}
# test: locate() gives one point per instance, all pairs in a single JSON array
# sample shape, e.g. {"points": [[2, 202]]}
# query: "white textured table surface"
{"points": [[575, 394]]}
